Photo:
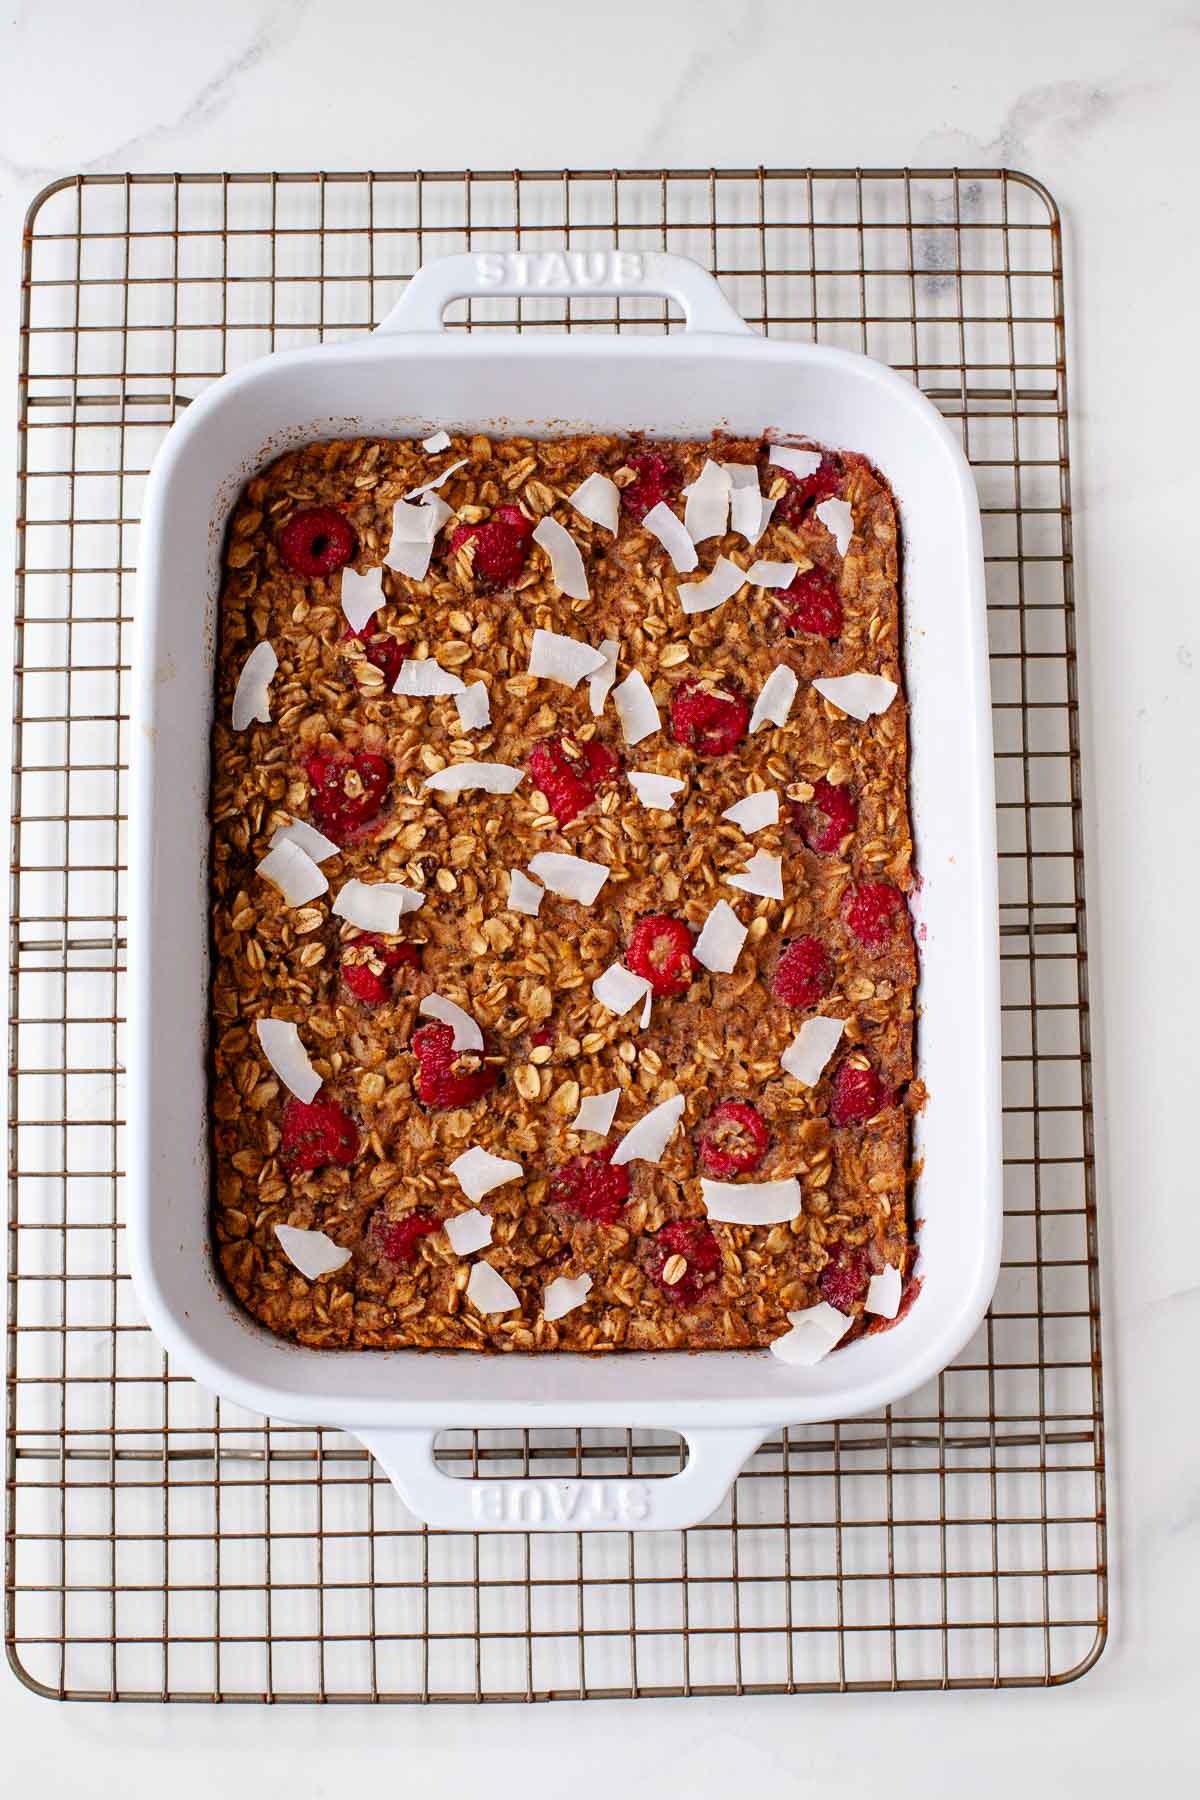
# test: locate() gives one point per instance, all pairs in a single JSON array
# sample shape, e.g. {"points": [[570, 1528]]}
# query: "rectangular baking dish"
{"points": [[407, 378]]}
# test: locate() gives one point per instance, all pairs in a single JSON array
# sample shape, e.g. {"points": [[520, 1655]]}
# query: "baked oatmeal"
{"points": [[573, 1008]]}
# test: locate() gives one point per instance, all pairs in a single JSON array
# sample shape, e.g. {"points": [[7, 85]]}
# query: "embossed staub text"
{"points": [[551, 269], [561, 1502]]}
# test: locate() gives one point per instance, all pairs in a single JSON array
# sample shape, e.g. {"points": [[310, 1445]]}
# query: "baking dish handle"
{"points": [[563, 274], [552, 1503]]}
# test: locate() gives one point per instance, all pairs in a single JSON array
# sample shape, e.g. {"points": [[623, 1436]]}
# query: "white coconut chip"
{"points": [[362, 595], [318, 846], [721, 939], [772, 574], [762, 875], [599, 500], [755, 811], [252, 695], [720, 584], [312, 1252], [524, 896], [477, 1171], [461, 778], [413, 530], [883, 1293], [571, 877], [467, 1035], [376, 905], [706, 509], [563, 659], [859, 694], [837, 518], [672, 534], [597, 1112], [566, 564], [488, 1291], [619, 989], [814, 1333], [428, 487], [600, 683], [281, 1046], [653, 1132], [796, 462], [474, 706], [811, 1048], [749, 509], [439, 441], [752, 1202], [563, 1295], [636, 709], [469, 1231], [293, 871], [774, 702], [647, 1008], [658, 793], [424, 679]]}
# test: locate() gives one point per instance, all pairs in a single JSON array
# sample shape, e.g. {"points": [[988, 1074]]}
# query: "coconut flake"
{"points": [[524, 896], [837, 518], [762, 875], [859, 694], [752, 1202], [796, 462], [811, 1048], [252, 695], [474, 706], [468, 1231], [599, 500], [572, 877], [563, 659], [563, 1295], [597, 1112], [477, 1171], [424, 679], [362, 595], [650, 1136], [376, 905], [489, 1292], [647, 1007], [566, 564], [439, 441], [883, 1293], [706, 512], [658, 793], [293, 872], [755, 811], [814, 1333], [428, 487], [713, 589], [749, 510], [672, 534], [312, 1252], [413, 530], [600, 683], [774, 702], [460, 778], [619, 989], [282, 1048], [772, 574], [467, 1035], [318, 846], [721, 939], [636, 709]]}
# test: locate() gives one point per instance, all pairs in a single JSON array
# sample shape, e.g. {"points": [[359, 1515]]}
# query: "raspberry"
{"points": [[570, 774], [733, 1140], [347, 790], [369, 965], [315, 1134], [872, 910], [844, 1278], [380, 648], [316, 542], [813, 604], [398, 1238], [805, 491], [661, 951], [709, 720], [657, 479], [803, 974], [827, 818], [446, 1076], [588, 1187], [542, 1037], [501, 547], [858, 1094], [691, 1242]]}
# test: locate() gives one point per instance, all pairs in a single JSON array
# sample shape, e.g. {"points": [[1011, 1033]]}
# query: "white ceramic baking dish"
{"points": [[405, 379]]}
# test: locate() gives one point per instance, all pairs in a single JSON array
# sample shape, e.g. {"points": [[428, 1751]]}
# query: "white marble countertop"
{"points": [[1100, 102]]}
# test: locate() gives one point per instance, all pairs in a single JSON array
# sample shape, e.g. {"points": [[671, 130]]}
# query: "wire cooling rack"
{"points": [[166, 1545]]}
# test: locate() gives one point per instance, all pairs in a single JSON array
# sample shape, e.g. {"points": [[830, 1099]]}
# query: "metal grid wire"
{"points": [[165, 1545]]}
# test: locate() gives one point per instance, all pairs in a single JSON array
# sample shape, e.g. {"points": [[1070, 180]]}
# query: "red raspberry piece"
{"points": [[316, 1133], [660, 950], [316, 542], [380, 648], [570, 774], [398, 1239], [542, 1037], [588, 1187], [844, 1278], [733, 1140], [805, 491], [872, 910], [709, 721], [813, 604], [446, 1076], [501, 547], [347, 789], [692, 1240], [857, 1095], [369, 966], [803, 974], [657, 479], [827, 818]]}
